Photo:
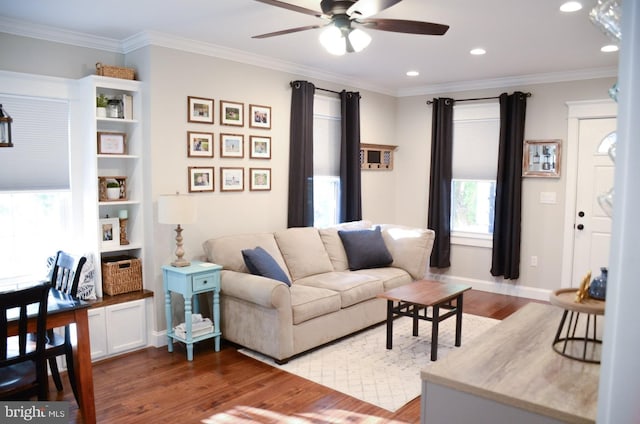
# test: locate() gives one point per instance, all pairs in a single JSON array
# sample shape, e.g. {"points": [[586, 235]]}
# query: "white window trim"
{"points": [[472, 239]]}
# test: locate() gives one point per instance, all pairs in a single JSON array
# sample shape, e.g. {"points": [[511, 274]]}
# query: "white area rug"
{"points": [[362, 367]]}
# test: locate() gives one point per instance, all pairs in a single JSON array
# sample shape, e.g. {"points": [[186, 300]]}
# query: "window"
{"points": [[476, 130], [326, 161]]}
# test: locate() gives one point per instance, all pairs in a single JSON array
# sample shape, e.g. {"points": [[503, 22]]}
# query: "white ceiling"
{"points": [[526, 40]]}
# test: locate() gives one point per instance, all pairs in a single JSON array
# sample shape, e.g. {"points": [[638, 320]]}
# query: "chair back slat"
{"points": [[66, 272]]}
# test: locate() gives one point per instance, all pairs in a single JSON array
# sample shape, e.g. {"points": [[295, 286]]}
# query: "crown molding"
{"points": [[551, 77], [57, 35]]}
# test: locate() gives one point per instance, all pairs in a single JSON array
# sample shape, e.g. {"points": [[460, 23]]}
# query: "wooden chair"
{"points": [[65, 277], [23, 372]]}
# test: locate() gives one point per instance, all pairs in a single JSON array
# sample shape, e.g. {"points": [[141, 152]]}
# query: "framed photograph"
{"points": [[231, 179], [231, 113], [111, 143], [200, 110], [259, 179], [231, 145], [260, 116], [200, 179], [109, 232], [541, 158], [260, 147], [199, 144]]}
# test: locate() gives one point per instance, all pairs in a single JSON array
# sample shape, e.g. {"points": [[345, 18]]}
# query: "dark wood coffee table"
{"points": [[414, 299]]}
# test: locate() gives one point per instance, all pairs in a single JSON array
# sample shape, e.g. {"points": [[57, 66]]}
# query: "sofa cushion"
{"points": [[333, 244], [365, 249], [303, 252], [353, 287], [410, 248], [390, 277], [312, 302], [261, 263]]}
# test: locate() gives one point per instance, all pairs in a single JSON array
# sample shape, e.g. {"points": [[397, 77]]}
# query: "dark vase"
{"points": [[598, 287]]}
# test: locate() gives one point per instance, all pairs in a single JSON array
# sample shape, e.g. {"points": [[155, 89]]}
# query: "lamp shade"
{"points": [[176, 209]]}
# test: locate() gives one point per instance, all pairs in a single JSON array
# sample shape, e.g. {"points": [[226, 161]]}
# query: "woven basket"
{"points": [[121, 274], [115, 71]]}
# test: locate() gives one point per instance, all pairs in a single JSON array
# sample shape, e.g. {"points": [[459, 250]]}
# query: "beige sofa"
{"points": [[325, 301]]}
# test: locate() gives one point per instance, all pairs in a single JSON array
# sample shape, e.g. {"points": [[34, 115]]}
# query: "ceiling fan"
{"points": [[339, 36]]}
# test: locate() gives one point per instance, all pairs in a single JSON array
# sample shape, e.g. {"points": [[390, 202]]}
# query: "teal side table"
{"points": [[199, 277]]}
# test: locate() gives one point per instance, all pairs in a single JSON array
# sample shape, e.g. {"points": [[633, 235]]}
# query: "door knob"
{"points": [[580, 227]]}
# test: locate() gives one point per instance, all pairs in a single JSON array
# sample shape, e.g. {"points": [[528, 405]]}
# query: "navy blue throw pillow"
{"points": [[365, 249], [260, 262]]}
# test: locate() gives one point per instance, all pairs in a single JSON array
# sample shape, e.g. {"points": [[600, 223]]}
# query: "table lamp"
{"points": [[177, 209]]}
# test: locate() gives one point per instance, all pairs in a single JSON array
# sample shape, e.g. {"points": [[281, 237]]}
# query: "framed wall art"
{"points": [[260, 147], [199, 144], [200, 179], [541, 158], [231, 179], [260, 116], [231, 113], [259, 179], [200, 110], [109, 233], [111, 143], [231, 145]]}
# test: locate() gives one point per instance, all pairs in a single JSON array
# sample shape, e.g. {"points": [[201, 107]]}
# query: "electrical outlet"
{"points": [[534, 261]]}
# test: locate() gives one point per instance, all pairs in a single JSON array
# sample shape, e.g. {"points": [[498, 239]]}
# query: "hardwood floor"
{"points": [[154, 386]]}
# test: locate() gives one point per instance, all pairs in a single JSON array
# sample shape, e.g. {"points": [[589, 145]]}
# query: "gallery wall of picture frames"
{"points": [[241, 134]]}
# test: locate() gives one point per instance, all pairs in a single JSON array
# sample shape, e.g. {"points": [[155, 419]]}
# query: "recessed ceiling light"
{"points": [[478, 51], [413, 73], [571, 6], [609, 48]]}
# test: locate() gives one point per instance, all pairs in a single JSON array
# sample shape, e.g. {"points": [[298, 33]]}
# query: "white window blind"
{"points": [[476, 130], [39, 159], [326, 136]]}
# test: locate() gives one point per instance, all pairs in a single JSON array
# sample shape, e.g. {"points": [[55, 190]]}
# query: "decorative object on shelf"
{"points": [[231, 113], [541, 158], [260, 147], [231, 179], [376, 156], [5, 128], [115, 71], [583, 290], [111, 143], [200, 110], [199, 144], [109, 232], [200, 179], [106, 183], [115, 109], [598, 286], [231, 145], [123, 216], [177, 209], [259, 179], [121, 274], [101, 105], [260, 116], [607, 15]]}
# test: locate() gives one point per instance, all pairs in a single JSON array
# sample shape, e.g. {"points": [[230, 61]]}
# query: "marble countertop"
{"points": [[514, 363]]}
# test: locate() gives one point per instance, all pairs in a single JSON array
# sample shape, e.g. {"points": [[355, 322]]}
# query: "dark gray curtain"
{"points": [[350, 181], [506, 228], [300, 212], [439, 212]]}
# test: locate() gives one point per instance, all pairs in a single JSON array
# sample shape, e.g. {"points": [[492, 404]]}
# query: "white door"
{"points": [[592, 229]]}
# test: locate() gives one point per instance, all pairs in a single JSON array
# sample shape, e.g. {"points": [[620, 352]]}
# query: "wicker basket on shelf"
{"points": [[121, 274], [115, 71]]}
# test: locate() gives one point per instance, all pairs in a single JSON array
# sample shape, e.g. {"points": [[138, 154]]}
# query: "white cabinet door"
{"points": [[126, 326], [98, 333]]}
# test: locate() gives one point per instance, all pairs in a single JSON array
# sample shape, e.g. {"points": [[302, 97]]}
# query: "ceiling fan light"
{"points": [[359, 39], [333, 41]]}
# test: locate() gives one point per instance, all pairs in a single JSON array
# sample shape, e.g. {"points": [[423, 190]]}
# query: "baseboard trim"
{"points": [[503, 287]]}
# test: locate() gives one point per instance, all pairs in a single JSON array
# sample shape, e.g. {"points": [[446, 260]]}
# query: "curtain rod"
{"points": [[429, 102], [318, 88]]}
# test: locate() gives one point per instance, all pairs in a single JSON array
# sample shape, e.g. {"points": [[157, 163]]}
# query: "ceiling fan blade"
{"points": [[404, 26], [365, 8], [287, 31], [292, 7]]}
